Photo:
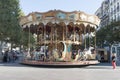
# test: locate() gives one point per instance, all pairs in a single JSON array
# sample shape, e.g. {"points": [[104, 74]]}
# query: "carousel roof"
{"points": [[57, 16]]}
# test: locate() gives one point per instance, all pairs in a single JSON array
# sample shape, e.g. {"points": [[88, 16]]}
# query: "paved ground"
{"points": [[15, 71]]}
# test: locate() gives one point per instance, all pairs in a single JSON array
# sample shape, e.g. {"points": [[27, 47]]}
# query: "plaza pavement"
{"points": [[16, 71]]}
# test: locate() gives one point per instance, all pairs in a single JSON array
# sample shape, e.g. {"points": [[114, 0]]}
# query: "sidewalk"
{"points": [[108, 64], [102, 66], [15, 63], [15, 71]]}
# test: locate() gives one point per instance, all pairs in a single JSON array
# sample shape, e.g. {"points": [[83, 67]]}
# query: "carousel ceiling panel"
{"points": [[72, 16], [30, 18], [61, 15], [23, 20], [57, 16], [38, 16], [49, 15], [26, 19], [83, 17], [91, 19]]}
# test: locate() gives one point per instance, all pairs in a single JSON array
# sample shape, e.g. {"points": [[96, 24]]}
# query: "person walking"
{"points": [[5, 57], [114, 61]]}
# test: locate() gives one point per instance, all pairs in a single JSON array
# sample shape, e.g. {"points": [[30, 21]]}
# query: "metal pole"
{"points": [[29, 41], [89, 36], [22, 38], [74, 32], [63, 33], [95, 39], [37, 35], [66, 31], [85, 36], [56, 35]]}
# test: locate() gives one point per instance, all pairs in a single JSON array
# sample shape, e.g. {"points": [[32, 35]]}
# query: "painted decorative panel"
{"points": [[91, 19], [30, 18], [23, 20], [83, 17], [71, 16], [38, 16], [49, 17], [61, 15]]}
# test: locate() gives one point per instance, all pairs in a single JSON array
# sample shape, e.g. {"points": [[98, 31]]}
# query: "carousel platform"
{"points": [[75, 64]]}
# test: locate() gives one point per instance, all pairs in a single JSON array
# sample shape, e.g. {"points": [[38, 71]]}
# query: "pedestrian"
{"points": [[114, 60], [5, 57]]}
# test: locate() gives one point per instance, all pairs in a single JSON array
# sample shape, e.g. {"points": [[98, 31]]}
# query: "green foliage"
{"points": [[110, 33], [9, 18], [27, 38], [10, 30]]}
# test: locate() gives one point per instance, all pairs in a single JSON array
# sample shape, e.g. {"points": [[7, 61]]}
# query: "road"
{"points": [[15, 71]]}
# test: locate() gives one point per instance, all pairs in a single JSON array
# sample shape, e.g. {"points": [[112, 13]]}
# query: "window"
{"points": [[117, 7], [114, 1], [114, 9], [111, 11], [113, 50], [111, 2], [118, 17], [112, 19], [115, 18], [118, 52]]}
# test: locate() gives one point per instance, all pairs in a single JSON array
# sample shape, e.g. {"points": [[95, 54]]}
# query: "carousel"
{"points": [[61, 38]]}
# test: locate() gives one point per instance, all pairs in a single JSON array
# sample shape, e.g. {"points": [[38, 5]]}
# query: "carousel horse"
{"points": [[88, 53]]}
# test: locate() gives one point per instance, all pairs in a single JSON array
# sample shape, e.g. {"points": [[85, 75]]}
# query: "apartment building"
{"points": [[108, 12], [114, 10], [103, 13]]}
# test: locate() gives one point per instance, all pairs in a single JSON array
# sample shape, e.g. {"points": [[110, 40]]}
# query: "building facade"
{"points": [[109, 12], [115, 49], [114, 10], [99, 14], [103, 13]]}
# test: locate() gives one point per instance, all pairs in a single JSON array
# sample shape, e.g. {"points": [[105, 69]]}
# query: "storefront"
{"points": [[103, 55]]}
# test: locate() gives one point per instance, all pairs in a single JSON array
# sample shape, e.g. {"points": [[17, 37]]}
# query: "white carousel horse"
{"points": [[88, 53]]}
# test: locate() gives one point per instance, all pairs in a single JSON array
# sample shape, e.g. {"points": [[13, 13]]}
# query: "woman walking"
{"points": [[114, 61]]}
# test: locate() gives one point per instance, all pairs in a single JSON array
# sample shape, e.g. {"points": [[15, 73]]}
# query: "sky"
{"points": [[87, 6]]}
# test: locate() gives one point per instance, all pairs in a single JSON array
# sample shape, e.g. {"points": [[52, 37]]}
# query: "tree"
{"points": [[10, 30], [9, 19], [109, 34], [25, 39]]}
